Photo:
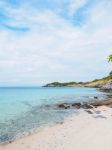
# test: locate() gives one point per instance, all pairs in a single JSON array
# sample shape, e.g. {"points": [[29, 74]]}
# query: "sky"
{"points": [[42, 41]]}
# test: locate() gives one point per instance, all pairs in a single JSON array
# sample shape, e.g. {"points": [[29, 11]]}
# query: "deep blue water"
{"points": [[21, 111]]}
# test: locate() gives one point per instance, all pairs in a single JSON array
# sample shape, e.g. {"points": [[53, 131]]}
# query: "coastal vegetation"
{"points": [[110, 58], [95, 83]]}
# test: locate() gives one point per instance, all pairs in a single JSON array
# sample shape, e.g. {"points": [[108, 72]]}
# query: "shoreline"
{"points": [[81, 131], [97, 106], [56, 113], [72, 106]]}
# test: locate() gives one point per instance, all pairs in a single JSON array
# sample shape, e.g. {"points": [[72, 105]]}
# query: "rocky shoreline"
{"points": [[83, 105], [106, 88]]}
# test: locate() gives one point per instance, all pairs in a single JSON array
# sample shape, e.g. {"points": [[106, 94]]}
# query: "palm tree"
{"points": [[110, 58]]}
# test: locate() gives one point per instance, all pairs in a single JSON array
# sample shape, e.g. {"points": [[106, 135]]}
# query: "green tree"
{"points": [[110, 58], [110, 73]]}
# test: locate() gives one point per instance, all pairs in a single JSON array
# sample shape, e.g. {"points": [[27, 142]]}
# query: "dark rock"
{"points": [[106, 90], [64, 105], [76, 105], [87, 106], [61, 105], [109, 96], [107, 87], [95, 97]]}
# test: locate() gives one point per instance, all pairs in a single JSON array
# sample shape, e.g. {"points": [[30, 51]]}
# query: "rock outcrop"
{"points": [[107, 87], [86, 105]]}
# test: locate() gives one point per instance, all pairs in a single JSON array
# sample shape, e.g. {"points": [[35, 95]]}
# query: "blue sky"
{"points": [[54, 40]]}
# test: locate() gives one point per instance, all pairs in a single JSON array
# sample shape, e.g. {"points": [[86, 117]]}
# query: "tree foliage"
{"points": [[110, 58]]}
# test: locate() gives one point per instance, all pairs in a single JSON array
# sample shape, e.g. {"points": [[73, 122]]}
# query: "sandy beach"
{"points": [[84, 131]]}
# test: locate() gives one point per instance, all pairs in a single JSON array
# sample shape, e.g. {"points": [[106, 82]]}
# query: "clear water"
{"points": [[21, 111]]}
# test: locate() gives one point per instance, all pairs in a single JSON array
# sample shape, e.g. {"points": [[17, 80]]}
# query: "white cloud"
{"points": [[75, 5], [55, 49]]}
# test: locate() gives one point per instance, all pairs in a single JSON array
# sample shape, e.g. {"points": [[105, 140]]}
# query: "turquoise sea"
{"points": [[21, 110]]}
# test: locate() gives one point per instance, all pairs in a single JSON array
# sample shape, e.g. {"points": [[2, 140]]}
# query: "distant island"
{"points": [[97, 83]]}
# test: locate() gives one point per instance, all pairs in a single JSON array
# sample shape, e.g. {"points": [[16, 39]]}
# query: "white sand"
{"points": [[79, 132]]}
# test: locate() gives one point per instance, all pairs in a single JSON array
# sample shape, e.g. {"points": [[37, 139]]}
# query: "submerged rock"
{"points": [[87, 106], [95, 97], [64, 105], [76, 105], [6, 138]]}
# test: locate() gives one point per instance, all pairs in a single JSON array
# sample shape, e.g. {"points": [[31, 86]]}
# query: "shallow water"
{"points": [[21, 111]]}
